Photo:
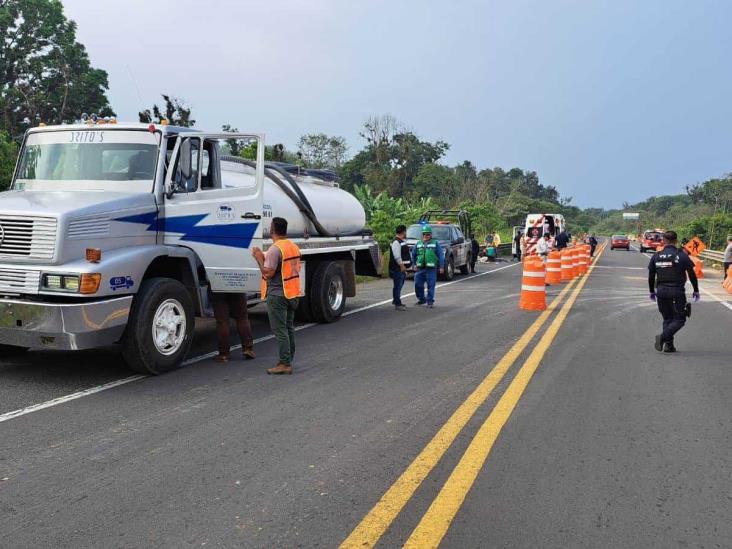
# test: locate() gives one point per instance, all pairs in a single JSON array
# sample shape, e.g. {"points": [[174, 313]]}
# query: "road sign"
{"points": [[630, 216], [695, 246]]}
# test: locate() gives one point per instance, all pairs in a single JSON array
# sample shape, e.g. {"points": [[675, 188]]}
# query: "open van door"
{"points": [[220, 224], [514, 232]]}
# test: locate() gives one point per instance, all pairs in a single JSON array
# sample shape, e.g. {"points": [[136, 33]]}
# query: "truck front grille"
{"points": [[19, 281], [27, 237]]}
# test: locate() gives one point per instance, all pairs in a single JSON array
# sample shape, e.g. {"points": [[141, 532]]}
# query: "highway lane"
{"points": [[39, 376], [611, 443]]}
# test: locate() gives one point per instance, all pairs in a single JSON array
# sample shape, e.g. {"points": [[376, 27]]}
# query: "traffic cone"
{"points": [[533, 289], [567, 264], [554, 267]]}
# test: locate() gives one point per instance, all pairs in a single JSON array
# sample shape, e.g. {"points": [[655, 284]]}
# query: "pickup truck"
{"points": [[450, 235]]}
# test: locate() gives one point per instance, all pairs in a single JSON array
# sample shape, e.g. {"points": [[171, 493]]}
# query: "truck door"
{"points": [[220, 224]]}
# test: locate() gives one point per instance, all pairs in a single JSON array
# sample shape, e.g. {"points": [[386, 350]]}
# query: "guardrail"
{"points": [[713, 255]]}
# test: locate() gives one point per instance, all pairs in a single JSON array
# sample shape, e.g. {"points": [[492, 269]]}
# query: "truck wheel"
{"points": [[160, 327], [465, 269], [11, 350], [449, 269], [328, 292]]}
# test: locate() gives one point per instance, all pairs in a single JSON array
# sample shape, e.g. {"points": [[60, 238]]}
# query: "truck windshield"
{"points": [[88, 159], [439, 232]]}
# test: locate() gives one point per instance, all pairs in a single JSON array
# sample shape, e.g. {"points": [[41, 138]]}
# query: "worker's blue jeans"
{"points": [[428, 276], [396, 293]]}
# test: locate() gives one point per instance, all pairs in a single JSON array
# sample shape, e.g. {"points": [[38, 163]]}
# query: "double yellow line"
{"points": [[436, 521]]}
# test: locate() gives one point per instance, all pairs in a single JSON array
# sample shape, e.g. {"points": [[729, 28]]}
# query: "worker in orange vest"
{"points": [[280, 268]]}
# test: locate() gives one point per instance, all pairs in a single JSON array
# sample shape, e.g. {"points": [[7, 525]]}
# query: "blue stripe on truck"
{"points": [[234, 235]]}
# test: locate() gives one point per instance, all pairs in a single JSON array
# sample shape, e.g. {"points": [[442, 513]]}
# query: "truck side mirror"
{"points": [[185, 164], [183, 170]]}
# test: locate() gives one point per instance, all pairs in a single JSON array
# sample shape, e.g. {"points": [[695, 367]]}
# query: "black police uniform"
{"points": [[667, 274], [474, 251]]}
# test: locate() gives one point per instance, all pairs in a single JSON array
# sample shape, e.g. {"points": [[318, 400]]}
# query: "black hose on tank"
{"points": [[298, 198]]}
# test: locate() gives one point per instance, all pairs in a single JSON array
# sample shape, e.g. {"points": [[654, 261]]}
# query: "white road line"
{"points": [[715, 298], [60, 400], [99, 388]]}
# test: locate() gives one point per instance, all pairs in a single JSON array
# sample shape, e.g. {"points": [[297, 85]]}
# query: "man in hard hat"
{"points": [[427, 257], [667, 273]]}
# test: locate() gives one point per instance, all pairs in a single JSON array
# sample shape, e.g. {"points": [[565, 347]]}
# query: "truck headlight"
{"points": [[87, 283]]}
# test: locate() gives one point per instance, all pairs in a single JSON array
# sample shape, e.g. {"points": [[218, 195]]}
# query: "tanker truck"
{"points": [[119, 233]]}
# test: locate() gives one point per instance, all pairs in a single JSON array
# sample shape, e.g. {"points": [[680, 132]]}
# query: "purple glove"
{"points": [[696, 297], [652, 297]]}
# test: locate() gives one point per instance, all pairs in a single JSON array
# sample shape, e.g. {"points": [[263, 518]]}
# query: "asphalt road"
{"points": [[473, 424]]}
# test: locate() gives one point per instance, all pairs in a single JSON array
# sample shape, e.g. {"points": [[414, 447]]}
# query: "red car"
{"points": [[619, 241], [650, 241]]}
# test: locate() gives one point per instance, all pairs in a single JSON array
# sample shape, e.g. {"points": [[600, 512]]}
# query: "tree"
{"points": [[176, 113], [8, 153], [46, 73], [319, 150], [233, 146]]}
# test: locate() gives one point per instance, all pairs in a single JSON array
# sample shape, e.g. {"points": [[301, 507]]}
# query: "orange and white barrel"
{"points": [[554, 267], [533, 288], [567, 265]]}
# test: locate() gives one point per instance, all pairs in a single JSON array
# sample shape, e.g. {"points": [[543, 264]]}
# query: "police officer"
{"points": [[399, 262], [667, 274], [427, 257]]}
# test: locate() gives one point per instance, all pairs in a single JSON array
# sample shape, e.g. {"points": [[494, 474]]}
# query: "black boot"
{"points": [[658, 344], [669, 348]]}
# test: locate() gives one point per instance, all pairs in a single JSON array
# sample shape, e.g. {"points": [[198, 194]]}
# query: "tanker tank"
{"points": [[336, 211]]}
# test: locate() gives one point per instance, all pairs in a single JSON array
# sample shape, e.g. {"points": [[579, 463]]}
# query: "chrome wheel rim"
{"points": [[169, 327], [335, 293]]}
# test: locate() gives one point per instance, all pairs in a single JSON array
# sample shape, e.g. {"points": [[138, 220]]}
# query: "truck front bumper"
{"points": [[63, 326]]}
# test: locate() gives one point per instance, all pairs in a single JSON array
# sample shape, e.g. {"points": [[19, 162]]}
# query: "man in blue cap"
{"points": [[427, 256]]}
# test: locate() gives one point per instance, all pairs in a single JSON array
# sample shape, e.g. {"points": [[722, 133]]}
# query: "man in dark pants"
{"points": [[667, 274], [562, 240], [231, 305], [474, 251], [400, 260], [593, 244], [517, 245]]}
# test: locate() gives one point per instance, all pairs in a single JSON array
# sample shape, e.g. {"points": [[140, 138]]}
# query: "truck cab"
{"points": [[120, 233]]}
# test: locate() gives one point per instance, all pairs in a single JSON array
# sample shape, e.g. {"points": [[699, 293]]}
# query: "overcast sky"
{"points": [[608, 100]]}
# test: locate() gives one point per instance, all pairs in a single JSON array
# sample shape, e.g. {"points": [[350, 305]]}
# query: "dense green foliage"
{"points": [[704, 211], [175, 112], [46, 73], [8, 152]]}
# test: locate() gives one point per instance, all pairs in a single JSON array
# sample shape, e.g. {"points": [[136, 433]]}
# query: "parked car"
{"points": [[619, 241]]}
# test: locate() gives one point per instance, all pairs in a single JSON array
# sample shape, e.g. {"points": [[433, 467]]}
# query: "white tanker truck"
{"points": [[119, 233]]}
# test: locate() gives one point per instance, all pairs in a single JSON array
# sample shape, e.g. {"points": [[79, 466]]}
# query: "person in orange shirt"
{"points": [[280, 268]]}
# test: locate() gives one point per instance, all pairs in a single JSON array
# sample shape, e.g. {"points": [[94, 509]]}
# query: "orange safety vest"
{"points": [[290, 269]]}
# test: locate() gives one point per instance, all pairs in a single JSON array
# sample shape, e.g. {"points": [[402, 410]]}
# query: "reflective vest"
{"points": [[427, 254], [289, 269]]}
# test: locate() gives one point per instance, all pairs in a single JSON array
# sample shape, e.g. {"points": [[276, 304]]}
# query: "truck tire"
{"points": [[449, 273], [328, 292], [465, 269], [160, 327], [11, 350]]}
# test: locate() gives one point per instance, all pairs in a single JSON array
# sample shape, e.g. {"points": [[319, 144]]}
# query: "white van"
{"points": [[539, 224]]}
